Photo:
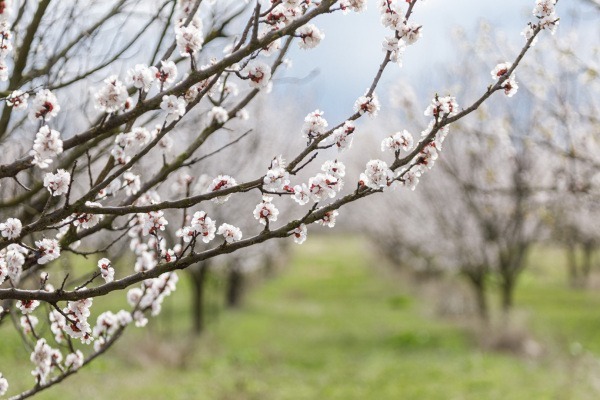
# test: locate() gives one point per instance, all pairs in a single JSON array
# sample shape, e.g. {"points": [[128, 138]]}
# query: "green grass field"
{"points": [[335, 326]]}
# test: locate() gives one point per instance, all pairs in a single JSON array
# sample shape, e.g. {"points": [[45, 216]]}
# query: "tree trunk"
{"points": [[586, 267], [198, 274], [482, 303], [572, 264], [235, 286], [269, 265], [507, 293], [479, 290]]}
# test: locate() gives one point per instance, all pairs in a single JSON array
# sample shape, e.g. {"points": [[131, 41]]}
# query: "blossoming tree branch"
{"points": [[62, 191]]}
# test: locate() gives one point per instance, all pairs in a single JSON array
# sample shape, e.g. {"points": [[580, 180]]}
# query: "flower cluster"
{"points": [[545, 12], [106, 270], [314, 125], [404, 32], [45, 359], [258, 74], [230, 233], [44, 106], [174, 106], [152, 222], [310, 36], [353, 5], [329, 218], [219, 114], [11, 228], [440, 107], [5, 42], [127, 144], [189, 39], [367, 104], [398, 141], [107, 324], [112, 96], [166, 74], [377, 175], [46, 146], [509, 84], [221, 182], [17, 99], [299, 234], [58, 183], [141, 77], [341, 137], [86, 220], [12, 259], [277, 177], [75, 321], [266, 211], [150, 296], [48, 249], [27, 306], [201, 226]]}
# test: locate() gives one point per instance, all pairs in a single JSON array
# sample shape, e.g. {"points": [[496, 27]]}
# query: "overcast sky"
{"points": [[350, 54]]}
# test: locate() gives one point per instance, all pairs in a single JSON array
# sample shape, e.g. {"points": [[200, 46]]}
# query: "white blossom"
{"points": [[167, 72], [301, 194], [219, 114], [204, 226], [49, 250], [74, 361], [377, 175], [28, 323], [341, 136], [411, 32], [396, 47], [266, 211], [334, 168], [329, 218], [367, 104], [277, 177], [47, 145], [152, 222], [174, 106], [3, 385], [141, 76], [106, 270], [442, 106], [258, 74], [112, 96], [354, 5], [500, 70], [27, 306], [310, 36], [131, 183], [322, 186], [189, 39], [398, 141], [230, 233], [299, 234], [221, 182], [44, 106], [77, 325], [314, 125], [85, 220], [58, 183], [11, 228], [17, 99]]}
